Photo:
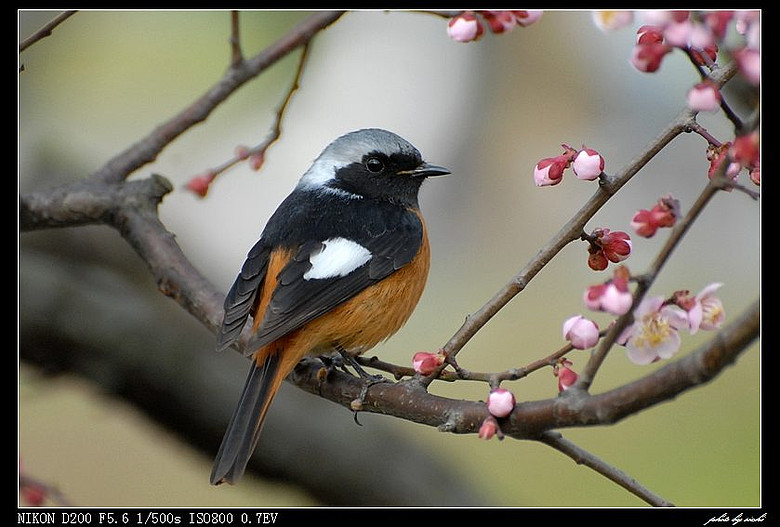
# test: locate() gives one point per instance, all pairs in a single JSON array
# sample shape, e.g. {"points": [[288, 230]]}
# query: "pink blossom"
{"points": [[701, 37], [653, 335], [612, 20], [581, 332], [426, 363], [588, 165], [718, 22], [465, 27], [704, 311], [661, 17], [678, 33], [749, 64], [704, 97], [500, 402], [745, 19]]}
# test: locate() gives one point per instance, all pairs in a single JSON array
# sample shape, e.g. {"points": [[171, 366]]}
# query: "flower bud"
{"points": [[704, 97], [500, 21], [500, 402], [426, 363], [647, 57], [549, 171], [465, 27], [200, 184], [566, 376], [489, 428], [528, 17], [581, 332], [588, 165]]}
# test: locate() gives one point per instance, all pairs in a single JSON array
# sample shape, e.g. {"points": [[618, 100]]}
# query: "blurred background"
{"points": [[122, 401]]}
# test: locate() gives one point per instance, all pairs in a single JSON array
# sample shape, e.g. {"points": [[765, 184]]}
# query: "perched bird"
{"points": [[340, 266]]}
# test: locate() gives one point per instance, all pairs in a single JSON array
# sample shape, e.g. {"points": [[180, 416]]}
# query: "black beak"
{"points": [[429, 170]]}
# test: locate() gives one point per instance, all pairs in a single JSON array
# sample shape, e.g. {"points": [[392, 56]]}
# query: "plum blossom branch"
{"points": [[572, 230], [256, 155]]}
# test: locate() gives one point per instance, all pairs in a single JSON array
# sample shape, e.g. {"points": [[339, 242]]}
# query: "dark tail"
{"points": [[247, 421]]}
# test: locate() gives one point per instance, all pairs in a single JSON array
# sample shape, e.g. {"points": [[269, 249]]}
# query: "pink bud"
{"points": [[649, 34], [500, 402], [678, 33], [581, 332], [489, 428], [745, 149], [465, 27], [616, 300], [200, 184], [256, 161], [526, 18], [647, 57], [704, 97], [616, 245], [613, 296], [426, 363], [242, 152], [663, 214], [588, 165], [549, 171], [566, 376], [500, 21]]}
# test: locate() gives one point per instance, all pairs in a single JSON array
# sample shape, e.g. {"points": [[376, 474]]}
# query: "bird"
{"points": [[340, 266]]}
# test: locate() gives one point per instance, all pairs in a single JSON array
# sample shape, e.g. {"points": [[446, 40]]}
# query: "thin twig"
{"points": [[583, 457], [235, 40], [258, 152], [147, 149], [46, 30]]}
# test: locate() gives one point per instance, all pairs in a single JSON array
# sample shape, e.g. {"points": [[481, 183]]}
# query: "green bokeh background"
{"points": [[487, 110]]}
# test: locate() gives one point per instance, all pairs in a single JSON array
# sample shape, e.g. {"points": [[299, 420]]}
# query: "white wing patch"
{"points": [[338, 258]]}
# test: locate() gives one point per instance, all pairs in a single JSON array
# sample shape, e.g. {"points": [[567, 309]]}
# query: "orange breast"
{"points": [[358, 324]]}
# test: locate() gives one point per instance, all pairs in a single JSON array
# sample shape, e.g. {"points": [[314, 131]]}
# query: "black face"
{"points": [[383, 177]]}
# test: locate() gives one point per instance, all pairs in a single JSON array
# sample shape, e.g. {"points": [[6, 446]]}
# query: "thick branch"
{"points": [[409, 399]]}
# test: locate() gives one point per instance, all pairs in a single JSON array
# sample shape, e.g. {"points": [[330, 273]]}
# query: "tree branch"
{"points": [[409, 399], [46, 30]]}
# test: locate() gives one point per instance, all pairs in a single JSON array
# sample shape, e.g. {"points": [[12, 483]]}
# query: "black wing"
{"points": [[296, 300], [240, 300]]}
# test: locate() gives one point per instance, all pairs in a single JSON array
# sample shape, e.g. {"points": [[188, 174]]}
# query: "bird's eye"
{"points": [[374, 165]]}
